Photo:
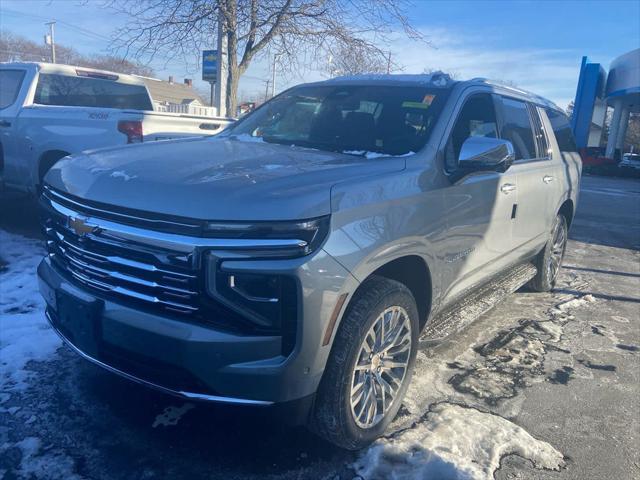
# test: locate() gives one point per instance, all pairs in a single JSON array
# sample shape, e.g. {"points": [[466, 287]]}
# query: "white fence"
{"points": [[198, 110]]}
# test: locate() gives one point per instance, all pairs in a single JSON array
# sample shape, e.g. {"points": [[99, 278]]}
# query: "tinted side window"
{"points": [[476, 119], [540, 133], [517, 128], [90, 92], [562, 131], [10, 82]]}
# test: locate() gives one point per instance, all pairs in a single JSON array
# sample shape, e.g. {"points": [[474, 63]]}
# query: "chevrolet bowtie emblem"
{"points": [[81, 227]]}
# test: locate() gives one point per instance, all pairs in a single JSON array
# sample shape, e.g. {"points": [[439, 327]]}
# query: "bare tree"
{"points": [[356, 59], [18, 48], [303, 32]]}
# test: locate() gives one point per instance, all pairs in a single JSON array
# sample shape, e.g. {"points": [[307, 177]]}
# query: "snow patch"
{"points": [[26, 334], [42, 463], [454, 442], [439, 78], [245, 137], [121, 174], [371, 155], [575, 302], [171, 415]]}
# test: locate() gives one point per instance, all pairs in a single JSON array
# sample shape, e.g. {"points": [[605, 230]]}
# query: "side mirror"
{"points": [[485, 153]]}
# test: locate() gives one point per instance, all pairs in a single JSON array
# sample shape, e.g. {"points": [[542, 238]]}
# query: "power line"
{"points": [[84, 31]]}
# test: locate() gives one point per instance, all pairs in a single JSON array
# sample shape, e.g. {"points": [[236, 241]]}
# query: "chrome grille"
{"points": [[158, 277]]}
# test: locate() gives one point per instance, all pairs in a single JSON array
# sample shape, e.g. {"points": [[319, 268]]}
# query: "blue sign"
{"points": [[590, 93], [210, 65]]}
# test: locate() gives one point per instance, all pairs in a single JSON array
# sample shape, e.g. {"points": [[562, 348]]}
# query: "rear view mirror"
{"points": [[485, 153]]}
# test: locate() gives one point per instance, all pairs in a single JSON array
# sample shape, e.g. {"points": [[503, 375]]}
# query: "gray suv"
{"points": [[294, 259]]}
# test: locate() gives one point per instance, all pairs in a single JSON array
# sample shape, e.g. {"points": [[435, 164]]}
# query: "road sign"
{"points": [[210, 65]]}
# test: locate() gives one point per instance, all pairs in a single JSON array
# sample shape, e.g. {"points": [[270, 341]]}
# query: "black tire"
{"points": [[546, 275], [332, 417]]}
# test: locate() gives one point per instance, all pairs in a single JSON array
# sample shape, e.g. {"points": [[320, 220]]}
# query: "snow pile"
{"points": [[25, 334], [454, 442], [574, 303]]}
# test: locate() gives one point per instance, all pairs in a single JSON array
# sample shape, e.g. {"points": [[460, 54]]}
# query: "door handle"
{"points": [[547, 179], [4, 123], [507, 188]]}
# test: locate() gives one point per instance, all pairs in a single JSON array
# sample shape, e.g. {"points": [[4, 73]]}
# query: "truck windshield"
{"points": [[354, 119], [73, 91]]}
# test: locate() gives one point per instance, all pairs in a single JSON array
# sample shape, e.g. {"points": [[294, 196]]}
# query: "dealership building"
{"points": [[619, 89]]}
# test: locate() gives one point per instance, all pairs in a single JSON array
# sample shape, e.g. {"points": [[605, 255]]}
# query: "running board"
{"points": [[473, 304]]}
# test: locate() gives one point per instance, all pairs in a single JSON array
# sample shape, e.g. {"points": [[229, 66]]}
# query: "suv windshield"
{"points": [[359, 120]]}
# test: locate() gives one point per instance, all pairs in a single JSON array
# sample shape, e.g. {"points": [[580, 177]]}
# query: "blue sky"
{"points": [[536, 44]]}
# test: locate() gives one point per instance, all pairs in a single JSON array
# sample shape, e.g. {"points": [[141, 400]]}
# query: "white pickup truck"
{"points": [[49, 111]]}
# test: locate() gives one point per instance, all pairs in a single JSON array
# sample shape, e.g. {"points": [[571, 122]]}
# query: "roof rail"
{"points": [[506, 86]]}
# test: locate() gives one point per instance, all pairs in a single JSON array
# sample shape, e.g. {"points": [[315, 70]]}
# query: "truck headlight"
{"points": [[269, 239], [267, 300]]}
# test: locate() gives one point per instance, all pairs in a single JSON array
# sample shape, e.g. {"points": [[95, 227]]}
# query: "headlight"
{"points": [[269, 239], [269, 301]]}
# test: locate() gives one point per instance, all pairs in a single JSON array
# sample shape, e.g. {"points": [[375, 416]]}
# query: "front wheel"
{"points": [[370, 365], [549, 260]]}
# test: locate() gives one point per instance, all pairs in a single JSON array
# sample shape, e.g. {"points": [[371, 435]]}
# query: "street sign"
{"points": [[210, 65]]}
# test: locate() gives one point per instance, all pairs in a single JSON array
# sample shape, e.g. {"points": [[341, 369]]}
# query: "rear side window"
{"points": [[517, 128], [540, 135], [562, 131], [10, 82], [90, 92]]}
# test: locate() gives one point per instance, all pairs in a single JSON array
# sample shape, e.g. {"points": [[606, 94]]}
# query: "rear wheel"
{"points": [[370, 365], [549, 260]]}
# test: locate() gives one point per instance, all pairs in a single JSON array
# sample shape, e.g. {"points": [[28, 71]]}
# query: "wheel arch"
{"points": [[47, 160], [414, 273], [567, 211]]}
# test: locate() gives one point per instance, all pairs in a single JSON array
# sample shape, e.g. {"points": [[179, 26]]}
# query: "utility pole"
{"points": [[52, 41], [266, 90], [273, 78], [223, 69]]}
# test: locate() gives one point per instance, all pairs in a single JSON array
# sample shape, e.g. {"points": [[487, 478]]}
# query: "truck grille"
{"points": [[158, 278], [119, 256]]}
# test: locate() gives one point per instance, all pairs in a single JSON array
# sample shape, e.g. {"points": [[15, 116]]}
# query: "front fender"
{"points": [[381, 219]]}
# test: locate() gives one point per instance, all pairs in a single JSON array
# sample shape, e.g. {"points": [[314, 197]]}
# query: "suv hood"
{"points": [[215, 178]]}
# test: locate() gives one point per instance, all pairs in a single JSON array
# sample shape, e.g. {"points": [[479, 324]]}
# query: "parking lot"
{"points": [[544, 386]]}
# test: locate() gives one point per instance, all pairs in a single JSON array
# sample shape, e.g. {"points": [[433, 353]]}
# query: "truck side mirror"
{"points": [[486, 153]]}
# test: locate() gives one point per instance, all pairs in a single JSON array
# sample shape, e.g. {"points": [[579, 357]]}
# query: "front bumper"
{"points": [[199, 362]]}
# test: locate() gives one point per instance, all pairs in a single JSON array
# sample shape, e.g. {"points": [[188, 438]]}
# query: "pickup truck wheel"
{"points": [[370, 365], [549, 260]]}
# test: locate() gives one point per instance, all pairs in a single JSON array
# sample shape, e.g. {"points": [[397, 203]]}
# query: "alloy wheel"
{"points": [[381, 367]]}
